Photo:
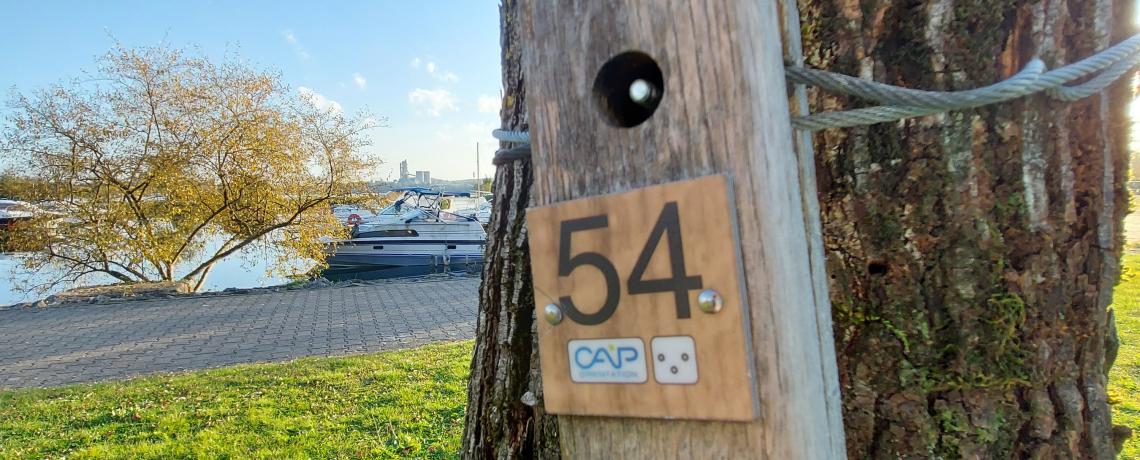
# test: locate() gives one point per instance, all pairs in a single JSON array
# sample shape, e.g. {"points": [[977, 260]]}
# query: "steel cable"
{"points": [[902, 103]]}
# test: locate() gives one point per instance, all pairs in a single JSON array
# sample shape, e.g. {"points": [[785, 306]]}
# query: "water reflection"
{"points": [[400, 272], [237, 272], [234, 272]]}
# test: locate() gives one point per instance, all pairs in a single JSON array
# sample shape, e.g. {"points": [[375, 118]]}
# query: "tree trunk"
{"points": [[971, 255], [201, 278], [505, 416]]}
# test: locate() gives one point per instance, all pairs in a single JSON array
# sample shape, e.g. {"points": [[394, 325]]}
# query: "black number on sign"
{"points": [[680, 284], [567, 264]]}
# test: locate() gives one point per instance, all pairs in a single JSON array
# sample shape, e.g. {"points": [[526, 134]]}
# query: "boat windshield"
{"points": [[14, 207]]}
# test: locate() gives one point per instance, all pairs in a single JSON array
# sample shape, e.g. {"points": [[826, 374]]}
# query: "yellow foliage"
{"points": [[164, 163]]}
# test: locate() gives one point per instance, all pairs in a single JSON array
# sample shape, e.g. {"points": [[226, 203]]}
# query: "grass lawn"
{"points": [[403, 404], [1124, 381]]}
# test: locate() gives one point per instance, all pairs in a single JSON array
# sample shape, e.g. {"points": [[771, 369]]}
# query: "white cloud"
{"points": [[292, 40], [360, 81], [431, 69], [488, 104], [432, 102], [319, 101], [478, 131], [481, 133]]}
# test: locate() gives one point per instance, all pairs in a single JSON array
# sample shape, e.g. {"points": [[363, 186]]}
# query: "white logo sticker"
{"points": [[674, 360], [607, 361]]}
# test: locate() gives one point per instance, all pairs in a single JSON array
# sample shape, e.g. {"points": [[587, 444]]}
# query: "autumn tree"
{"points": [[13, 185], [162, 163]]}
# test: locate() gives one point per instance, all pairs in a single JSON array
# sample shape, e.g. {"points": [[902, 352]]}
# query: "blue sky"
{"points": [[430, 67]]}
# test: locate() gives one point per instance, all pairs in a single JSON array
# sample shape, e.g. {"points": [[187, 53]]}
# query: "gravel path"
{"points": [[57, 345]]}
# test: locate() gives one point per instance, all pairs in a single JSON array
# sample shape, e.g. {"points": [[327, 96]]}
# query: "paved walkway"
{"points": [[49, 346]]}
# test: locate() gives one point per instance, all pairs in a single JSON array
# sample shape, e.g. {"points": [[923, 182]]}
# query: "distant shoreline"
{"points": [[120, 293]]}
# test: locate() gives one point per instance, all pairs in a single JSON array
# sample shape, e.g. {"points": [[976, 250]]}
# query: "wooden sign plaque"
{"points": [[625, 271]]}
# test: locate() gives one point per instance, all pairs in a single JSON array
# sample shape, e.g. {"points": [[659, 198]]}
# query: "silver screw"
{"points": [[709, 301], [641, 91], [553, 314]]}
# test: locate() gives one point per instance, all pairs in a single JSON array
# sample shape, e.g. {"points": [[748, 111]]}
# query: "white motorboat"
{"points": [[407, 235], [12, 211], [409, 199], [481, 213]]}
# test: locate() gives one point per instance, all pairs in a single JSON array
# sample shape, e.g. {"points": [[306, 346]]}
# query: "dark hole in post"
{"points": [[877, 267], [626, 76]]}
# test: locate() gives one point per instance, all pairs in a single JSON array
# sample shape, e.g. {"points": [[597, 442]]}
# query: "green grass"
{"points": [[404, 404], [1124, 380]]}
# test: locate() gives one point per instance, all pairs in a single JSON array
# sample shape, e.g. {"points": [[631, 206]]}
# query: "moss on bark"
{"points": [[971, 254]]}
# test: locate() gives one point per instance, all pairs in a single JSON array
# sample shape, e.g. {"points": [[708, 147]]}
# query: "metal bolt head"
{"points": [[640, 91], [709, 301], [553, 314]]}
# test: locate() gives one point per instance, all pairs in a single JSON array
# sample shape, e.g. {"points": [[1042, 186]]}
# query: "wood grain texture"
{"points": [[725, 110], [724, 390], [805, 157]]}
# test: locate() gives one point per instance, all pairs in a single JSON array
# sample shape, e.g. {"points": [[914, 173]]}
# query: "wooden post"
{"points": [[805, 155], [724, 110]]}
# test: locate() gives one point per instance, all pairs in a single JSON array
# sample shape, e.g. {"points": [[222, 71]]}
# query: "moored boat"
{"points": [[12, 211], [413, 232], [407, 200]]}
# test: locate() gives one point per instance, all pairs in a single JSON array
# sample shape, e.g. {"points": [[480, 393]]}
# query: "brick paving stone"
{"points": [[59, 345]]}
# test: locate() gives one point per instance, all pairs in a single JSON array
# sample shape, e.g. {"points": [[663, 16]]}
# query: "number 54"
{"points": [[680, 284]]}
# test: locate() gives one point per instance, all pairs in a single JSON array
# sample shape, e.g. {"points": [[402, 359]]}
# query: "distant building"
{"points": [[406, 179], [404, 176]]}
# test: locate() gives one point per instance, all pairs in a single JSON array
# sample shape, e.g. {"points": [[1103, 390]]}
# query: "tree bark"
{"points": [[505, 413], [971, 255]]}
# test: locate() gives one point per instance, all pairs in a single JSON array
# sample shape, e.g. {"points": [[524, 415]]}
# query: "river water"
{"points": [[239, 272]]}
